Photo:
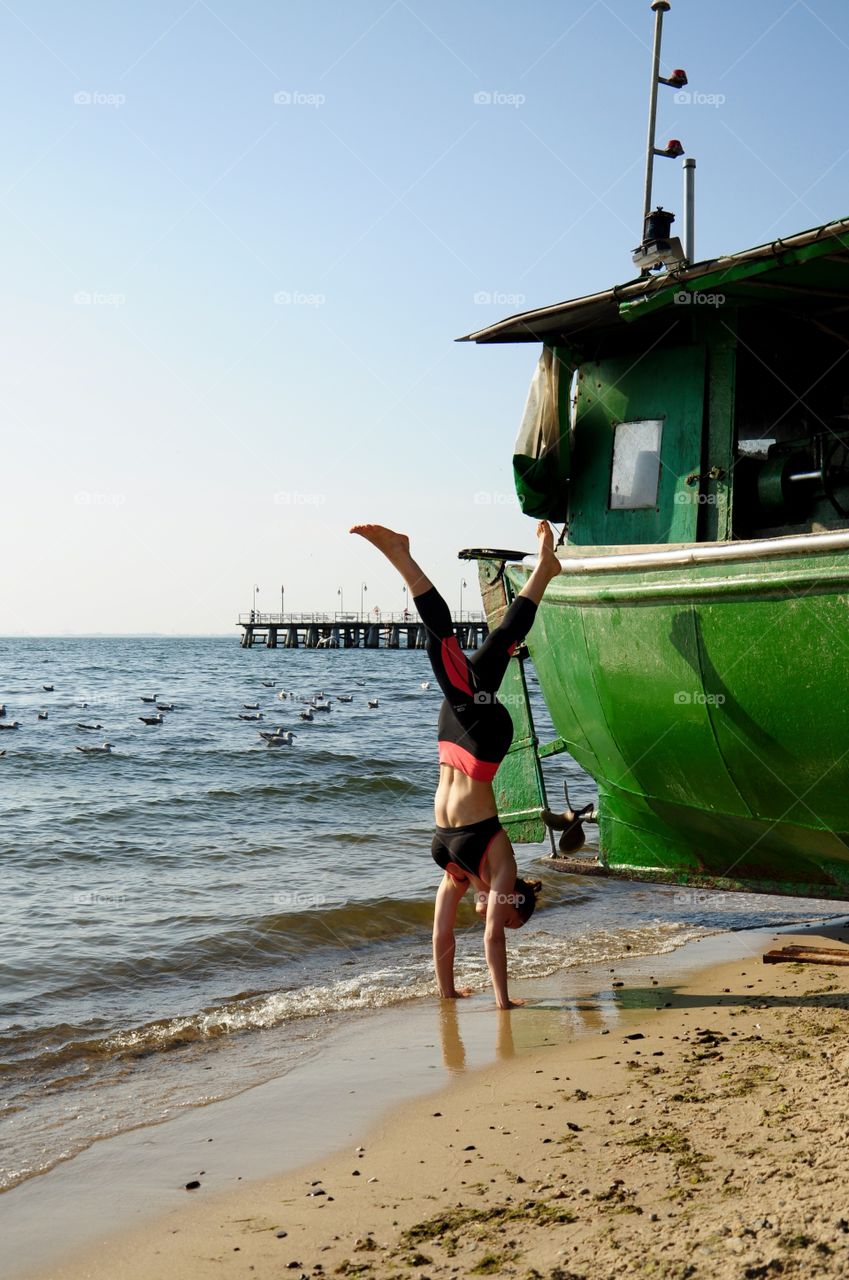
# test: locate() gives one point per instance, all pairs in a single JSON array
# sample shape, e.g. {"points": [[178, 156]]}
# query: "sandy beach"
{"points": [[703, 1137]]}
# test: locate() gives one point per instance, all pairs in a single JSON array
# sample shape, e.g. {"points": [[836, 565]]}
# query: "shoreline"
{"points": [[109, 1205]]}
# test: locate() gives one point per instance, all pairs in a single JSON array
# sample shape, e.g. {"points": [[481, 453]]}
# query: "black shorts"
{"points": [[461, 850]]}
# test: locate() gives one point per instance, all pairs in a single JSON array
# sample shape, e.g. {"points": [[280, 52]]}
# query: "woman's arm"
{"points": [[500, 907], [448, 897]]}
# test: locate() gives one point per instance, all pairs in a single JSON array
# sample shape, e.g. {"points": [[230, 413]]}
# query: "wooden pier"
{"points": [[350, 631]]}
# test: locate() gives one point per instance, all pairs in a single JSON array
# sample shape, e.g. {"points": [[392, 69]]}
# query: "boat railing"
{"points": [[370, 618]]}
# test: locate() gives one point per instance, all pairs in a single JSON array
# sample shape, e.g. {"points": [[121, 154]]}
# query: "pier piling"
{"points": [[334, 631]]}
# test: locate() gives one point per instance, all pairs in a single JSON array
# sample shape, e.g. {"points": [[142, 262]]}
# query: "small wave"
{"points": [[388, 979], [351, 787]]}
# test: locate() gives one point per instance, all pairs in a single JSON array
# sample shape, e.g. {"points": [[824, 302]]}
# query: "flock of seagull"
{"points": [[277, 737], [316, 705]]}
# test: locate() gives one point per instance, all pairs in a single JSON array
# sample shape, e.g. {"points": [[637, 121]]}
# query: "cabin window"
{"points": [[636, 464]]}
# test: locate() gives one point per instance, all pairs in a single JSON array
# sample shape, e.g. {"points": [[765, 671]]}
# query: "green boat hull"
{"points": [[708, 700]]}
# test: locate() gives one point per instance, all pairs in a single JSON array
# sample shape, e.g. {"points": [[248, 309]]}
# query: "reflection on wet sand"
{"points": [[453, 1049]]}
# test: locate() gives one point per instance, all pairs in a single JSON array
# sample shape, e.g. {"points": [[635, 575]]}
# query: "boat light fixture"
{"points": [[673, 149]]}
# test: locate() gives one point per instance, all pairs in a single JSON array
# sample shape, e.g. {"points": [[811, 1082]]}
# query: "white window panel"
{"points": [[636, 464]]}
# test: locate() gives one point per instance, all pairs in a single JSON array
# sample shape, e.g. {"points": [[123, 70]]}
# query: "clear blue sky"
{"points": [[174, 429]]}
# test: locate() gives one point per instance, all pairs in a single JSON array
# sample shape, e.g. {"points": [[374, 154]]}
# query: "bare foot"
{"points": [[392, 544], [545, 555], [396, 548]]}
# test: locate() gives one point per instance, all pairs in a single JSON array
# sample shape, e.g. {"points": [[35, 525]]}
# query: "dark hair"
{"points": [[526, 897]]}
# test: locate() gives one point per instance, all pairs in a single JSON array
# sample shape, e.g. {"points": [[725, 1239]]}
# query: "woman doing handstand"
{"points": [[475, 731]]}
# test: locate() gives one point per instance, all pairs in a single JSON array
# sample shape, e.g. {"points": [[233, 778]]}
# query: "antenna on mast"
{"points": [[658, 248]]}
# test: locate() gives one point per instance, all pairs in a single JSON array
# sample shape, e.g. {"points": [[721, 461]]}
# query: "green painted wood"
{"points": [[713, 723], [800, 267], [715, 495], [666, 384]]}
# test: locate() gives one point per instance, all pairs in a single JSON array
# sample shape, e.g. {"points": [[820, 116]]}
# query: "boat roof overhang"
{"points": [[807, 272]]}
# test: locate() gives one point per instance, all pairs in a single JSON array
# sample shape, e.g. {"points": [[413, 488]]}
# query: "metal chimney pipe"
{"points": [[660, 7], [690, 209]]}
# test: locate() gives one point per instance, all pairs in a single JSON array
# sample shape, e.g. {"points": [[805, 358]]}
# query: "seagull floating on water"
{"points": [[269, 684], [305, 715], [425, 684], [254, 716], [13, 724], [48, 688], [251, 706], [80, 725], [165, 706], [344, 697], [157, 719], [374, 702], [2, 710], [103, 750], [42, 715], [279, 738], [145, 699]]}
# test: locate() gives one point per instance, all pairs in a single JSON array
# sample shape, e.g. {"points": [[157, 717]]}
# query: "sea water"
{"points": [[191, 913]]}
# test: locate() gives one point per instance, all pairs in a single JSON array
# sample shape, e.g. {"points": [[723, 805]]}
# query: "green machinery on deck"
{"points": [[691, 431]]}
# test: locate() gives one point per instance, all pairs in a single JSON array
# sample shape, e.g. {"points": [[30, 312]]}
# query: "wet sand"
{"points": [[705, 1137]]}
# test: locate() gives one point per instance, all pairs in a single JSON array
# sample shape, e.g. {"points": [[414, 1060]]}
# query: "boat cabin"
{"points": [[706, 404]]}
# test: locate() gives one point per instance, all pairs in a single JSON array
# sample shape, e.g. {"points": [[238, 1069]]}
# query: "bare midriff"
{"points": [[461, 800]]}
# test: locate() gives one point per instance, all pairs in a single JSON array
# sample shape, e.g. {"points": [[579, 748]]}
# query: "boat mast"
{"points": [[660, 8], [656, 247]]}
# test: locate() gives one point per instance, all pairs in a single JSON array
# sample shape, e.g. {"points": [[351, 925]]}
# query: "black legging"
{"points": [[483, 670]]}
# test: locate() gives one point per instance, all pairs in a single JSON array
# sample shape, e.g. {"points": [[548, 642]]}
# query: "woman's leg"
{"points": [[547, 565], [449, 663], [396, 548], [490, 661]]}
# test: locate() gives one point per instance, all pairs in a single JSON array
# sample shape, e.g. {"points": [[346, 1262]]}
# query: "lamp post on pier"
{"points": [[462, 585], [256, 593], [282, 603], [341, 600], [363, 590]]}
